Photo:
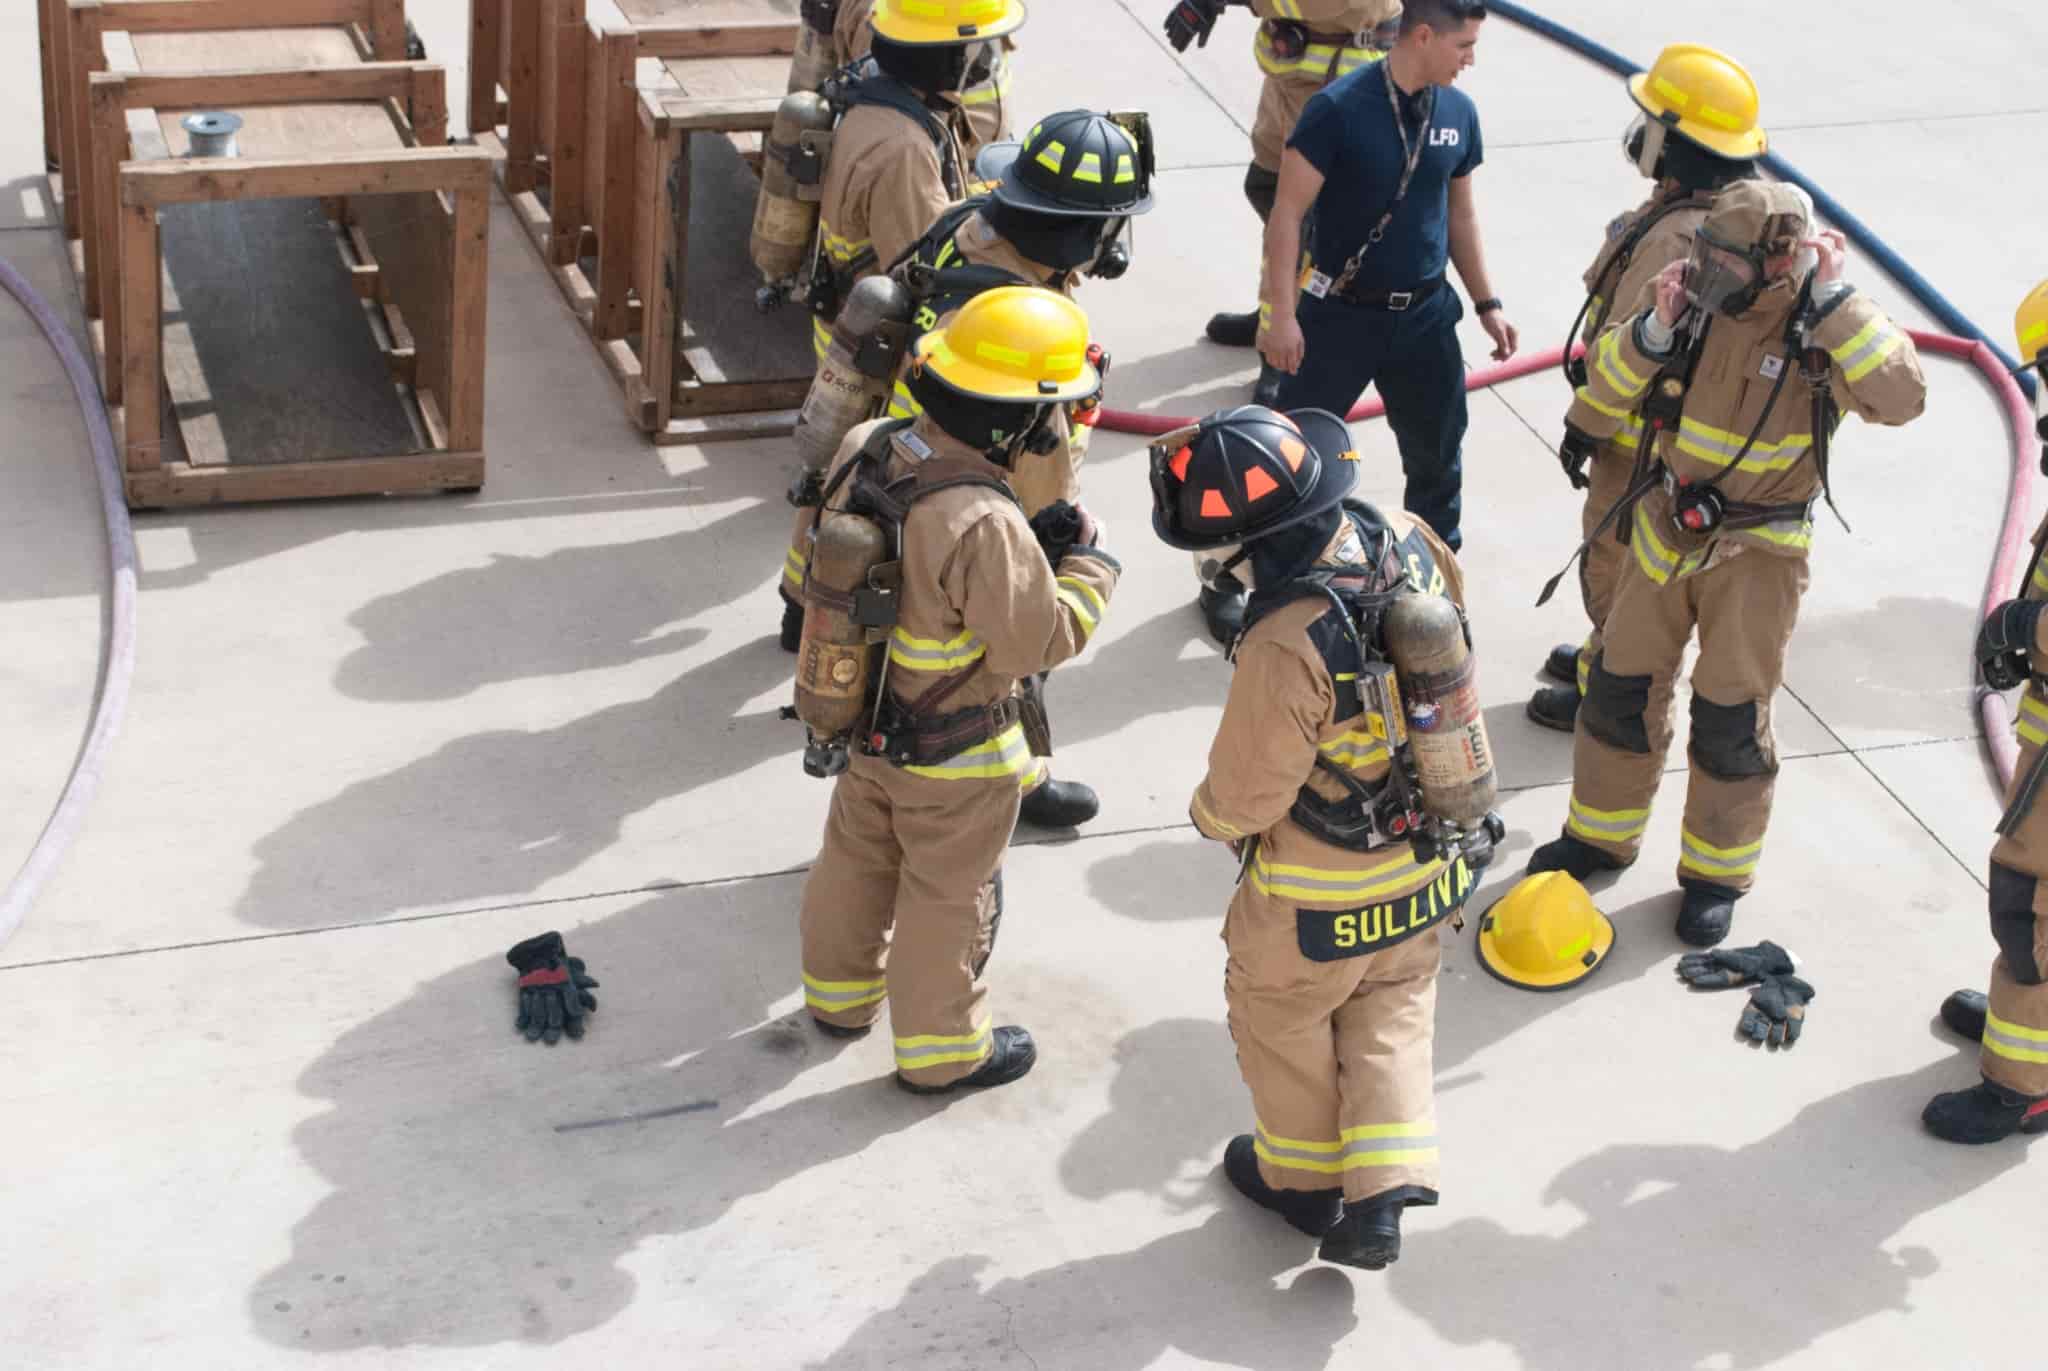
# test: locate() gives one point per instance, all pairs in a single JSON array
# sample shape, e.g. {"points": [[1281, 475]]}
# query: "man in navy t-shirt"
{"points": [[1384, 158]]}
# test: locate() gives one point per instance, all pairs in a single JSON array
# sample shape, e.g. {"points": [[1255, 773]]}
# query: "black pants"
{"points": [[1413, 356]]}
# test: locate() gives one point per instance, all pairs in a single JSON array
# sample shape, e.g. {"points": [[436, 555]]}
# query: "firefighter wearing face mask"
{"points": [[1333, 933], [900, 154], [1737, 364], [1698, 131], [1056, 214], [973, 604], [836, 33], [2012, 1020]]}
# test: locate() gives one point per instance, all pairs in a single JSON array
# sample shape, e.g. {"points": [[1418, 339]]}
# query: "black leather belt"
{"points": [[1395, 300]]}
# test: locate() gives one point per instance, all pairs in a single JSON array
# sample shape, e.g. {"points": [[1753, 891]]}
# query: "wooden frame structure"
{"points": [[560, 103], [409, 217]]}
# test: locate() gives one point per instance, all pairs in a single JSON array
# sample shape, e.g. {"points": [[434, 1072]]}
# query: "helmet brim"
{"points": [[1736, 146], [929, 33], [983, 382], [1335, 476], [1557, 978]]}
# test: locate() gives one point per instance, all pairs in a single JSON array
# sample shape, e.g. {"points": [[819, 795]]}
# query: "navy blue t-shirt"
{"points": [[1348, 134]]}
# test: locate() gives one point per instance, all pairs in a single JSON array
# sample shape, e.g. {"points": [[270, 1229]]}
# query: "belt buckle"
{"points": [[1400, 300]]}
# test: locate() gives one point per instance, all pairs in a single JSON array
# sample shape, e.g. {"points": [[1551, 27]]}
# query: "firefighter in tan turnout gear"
{"points": [[909, 675], [835, 33], [2012, 1021], [1697, 132], [1737, 363], [901, 153], [1333, 931], [1056, 214]]}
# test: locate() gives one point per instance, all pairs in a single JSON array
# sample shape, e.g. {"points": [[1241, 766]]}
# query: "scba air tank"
{"points": [[1439, 684]]}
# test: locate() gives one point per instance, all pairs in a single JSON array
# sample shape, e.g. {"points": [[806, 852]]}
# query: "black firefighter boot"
{"points": [[1706, 912], [1369, 1235], [1575, 858], [1964, 1013], [1234, 330], [1314, 1212], [1059, 804], [1267, 391], [1985, 1113], [1563, 663], [1013, 1055], [1222, 604], [1555, 706]]}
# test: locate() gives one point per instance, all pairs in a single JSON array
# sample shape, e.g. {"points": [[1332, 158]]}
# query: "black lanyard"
{"points": [[1413, 152]]}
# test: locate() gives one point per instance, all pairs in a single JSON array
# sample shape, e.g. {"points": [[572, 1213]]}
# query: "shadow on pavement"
{"points": [[496, 1202]]}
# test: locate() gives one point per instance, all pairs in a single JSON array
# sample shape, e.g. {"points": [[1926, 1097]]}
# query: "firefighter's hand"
{"points": [[1192, 20], [2004, 640], [1573, 452], [1831, 251], [1281, 344], [1507, 339], [554, 989], [1091, 532], [1672, 301]]}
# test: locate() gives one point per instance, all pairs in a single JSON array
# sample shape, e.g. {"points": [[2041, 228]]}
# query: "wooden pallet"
{"points": [[390, 220], [592, 131]]}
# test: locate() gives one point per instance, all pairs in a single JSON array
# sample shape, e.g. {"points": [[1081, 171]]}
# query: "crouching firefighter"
{"points": [[1351, 776], [1697, 132], [1737, 363], [930, 603], [1058, 212], [837, 33], [2012, 1021]]}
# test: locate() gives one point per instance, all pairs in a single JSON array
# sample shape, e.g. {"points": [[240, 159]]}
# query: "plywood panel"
{"points": [[276, 131], [245, 49]]}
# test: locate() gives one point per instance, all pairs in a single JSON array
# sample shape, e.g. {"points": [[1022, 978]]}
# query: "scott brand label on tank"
{"points": [[1446, 728]]}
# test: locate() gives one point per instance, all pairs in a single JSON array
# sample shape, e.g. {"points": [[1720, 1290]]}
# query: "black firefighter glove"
{"points": [[1574, 452], [1193, 20], [554, 991], [2003, 641], [1727, 966], [1058, 529], [1776, 1011]]}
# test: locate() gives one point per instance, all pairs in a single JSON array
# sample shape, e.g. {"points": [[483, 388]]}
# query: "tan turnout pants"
{"points": [[2015, 1052], [1337, 1055], [1744, 608], [1600, 569], [900, 907]]}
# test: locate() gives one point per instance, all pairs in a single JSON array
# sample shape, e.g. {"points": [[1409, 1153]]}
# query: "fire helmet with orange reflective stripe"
{"points": [[1243, 473]]}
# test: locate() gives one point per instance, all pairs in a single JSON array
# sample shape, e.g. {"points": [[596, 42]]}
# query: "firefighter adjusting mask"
{"points": [[1722, 278]]}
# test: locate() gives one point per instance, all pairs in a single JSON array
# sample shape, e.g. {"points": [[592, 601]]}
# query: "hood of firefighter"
{"points": [[1752, 225]]}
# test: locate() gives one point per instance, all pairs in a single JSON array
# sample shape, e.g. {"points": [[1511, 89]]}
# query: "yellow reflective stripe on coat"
{"points": [[1205, 815], [1867, 350], [2039, 578], [1618, 826], [1081, 598], [1793, 533], [1286, 9], [992, 91], [2014, 1042], [1659, 562], [1318, 61], [2033, 721], [1584, 395], [836, 996], [1341, 886], [938, 1049], [793, 564], [1718, 447], [1614, 369], [1358, 747], [1697, 854], [821, 337], [902, 404], [1388, 1144], [842, 249], [1006, 754], [913, 653]]}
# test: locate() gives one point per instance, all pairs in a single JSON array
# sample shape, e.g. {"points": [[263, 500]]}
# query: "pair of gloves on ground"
{"points": [[1776, 1012]]}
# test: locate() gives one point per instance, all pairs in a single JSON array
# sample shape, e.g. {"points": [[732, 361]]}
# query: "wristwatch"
{"points": [[1486, 306]]}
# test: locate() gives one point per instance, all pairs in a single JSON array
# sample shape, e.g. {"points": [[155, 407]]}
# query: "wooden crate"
{"points": [[188, 35], [407, 219], [589, 127]]}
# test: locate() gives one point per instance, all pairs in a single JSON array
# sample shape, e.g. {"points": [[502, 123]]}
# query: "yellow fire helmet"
{"points": [[2031, 325], [1544, 934], [1704, 95], [936, 23], [1018, 343]]}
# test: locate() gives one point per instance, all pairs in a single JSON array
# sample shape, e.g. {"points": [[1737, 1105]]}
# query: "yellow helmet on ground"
{"points": [[932, 23], [1544, 934], [2031, 324], [1704, 95], [1021, 344]]}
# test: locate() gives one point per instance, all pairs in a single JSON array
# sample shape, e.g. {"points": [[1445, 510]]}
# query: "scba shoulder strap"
{"points": [[866, 84]]}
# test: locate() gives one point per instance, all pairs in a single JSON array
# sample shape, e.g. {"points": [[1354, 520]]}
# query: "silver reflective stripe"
{"points": [[973, 1044]]}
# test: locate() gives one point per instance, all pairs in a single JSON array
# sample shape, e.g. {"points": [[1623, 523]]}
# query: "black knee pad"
{"points": [[1614, 708], [1724, 741], [1260, 187], [2012, 923]]}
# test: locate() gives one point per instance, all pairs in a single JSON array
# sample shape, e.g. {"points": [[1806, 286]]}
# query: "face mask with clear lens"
{"points": [[1719, 279]]}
